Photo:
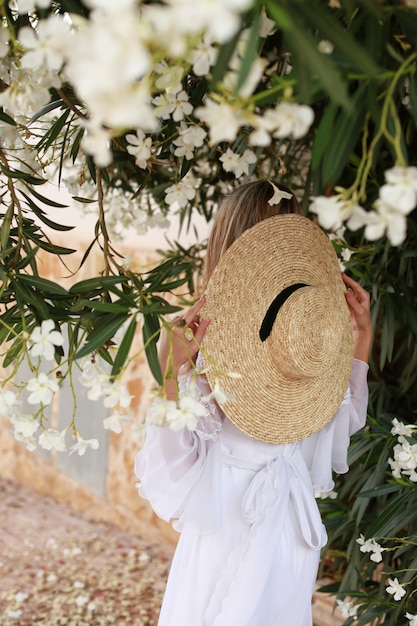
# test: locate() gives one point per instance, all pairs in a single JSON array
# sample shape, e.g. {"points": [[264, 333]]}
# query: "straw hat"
{"points": [[280, 321]]}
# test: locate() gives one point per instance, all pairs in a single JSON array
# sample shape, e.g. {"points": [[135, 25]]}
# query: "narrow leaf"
{"points": [[98, 337], [125, 345]]}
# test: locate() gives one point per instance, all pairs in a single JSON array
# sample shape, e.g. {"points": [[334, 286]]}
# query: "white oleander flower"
{"points": [[278, 195], [52, 440], [109, 5], [169, 78], [400, 190], [94, 378], [412, 619], [114, 422], [187, 411], [377, 551], [371, 546], [140, 147], [180, 193], [323, 495], [405, 459], [48, 44], [238, 163], [41, 389], [221, 396], [189, 138], [8, 402], [44, 338], [219, 19], [267, 26], [24, 425], [83, 444], [96, 141], [175, 105], [386, 220], [333, 211], [399, 428], [116, 393], [26, 6], [347, 608], [395, 589], [364, 543], [223, 120], [291, 119], [203, 57], [158, 410]]}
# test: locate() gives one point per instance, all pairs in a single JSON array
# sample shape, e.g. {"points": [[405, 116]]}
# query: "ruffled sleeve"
{"points": [[327, 450], [178, 469]]}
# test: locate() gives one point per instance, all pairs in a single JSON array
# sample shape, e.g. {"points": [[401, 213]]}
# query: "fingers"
{"points": [[189, 324], [361, 296], [191, 315]]}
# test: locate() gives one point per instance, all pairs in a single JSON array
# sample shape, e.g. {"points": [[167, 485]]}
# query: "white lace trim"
{"points": [[210, 424]]}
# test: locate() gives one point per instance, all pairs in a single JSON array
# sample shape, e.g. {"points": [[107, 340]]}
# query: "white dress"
{"points": [[251, 531]]}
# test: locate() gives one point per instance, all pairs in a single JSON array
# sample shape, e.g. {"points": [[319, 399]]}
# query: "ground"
{"points": [[59, 568]]}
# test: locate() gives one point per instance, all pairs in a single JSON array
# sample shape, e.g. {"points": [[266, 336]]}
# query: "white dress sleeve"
{"points": [[177, 469], [327, 450]]}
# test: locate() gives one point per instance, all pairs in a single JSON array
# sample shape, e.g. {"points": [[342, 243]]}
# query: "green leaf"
{"points": [[249, 54], [393, 518], [342, 40], [381, 490], [42, 284], [101, 335], [150, 332], [106, 307], [27, 178], [47, 109], [52, 133], [46, 245], [47, 201], [124, 348], [345, 133], [7, 119], [222, 63], [324, 134], [40, 214], [83, 200], [25, 296], [281, 16], [100, 283]]}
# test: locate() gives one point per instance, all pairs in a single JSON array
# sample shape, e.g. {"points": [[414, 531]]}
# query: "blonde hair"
{"points": [[243, 208]]}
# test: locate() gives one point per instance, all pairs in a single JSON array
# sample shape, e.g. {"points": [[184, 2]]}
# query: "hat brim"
{"points": [[270, 403]]}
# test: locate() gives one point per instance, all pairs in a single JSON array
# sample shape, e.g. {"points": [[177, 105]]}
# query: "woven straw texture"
{"points": [[290, 385]]}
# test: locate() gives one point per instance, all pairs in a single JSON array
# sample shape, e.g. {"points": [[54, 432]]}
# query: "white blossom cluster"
{"points": [[393, 587], [187, 410], [126, 65], [404, 462], [40, 390], [372, 547], [396, 199]]}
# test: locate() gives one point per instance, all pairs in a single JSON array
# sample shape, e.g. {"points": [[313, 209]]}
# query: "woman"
{"points": [[241, 486]]}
